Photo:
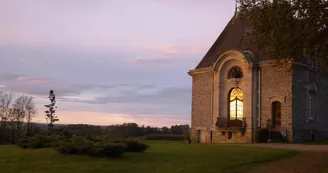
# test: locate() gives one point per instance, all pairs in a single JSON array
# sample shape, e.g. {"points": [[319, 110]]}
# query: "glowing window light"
{"points": [[236, 104]]}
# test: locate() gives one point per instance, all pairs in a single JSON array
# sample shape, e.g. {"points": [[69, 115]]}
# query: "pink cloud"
{"points": [[166, 49], [150, 60], [168, 54], [178, 50], [31, 80]]}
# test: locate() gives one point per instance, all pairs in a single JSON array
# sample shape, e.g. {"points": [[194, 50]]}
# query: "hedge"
{"points": [[98, 147], [36, 142]]}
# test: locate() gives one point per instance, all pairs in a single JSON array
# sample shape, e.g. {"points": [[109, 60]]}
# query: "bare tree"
{"points": [[30, 111], [18, 115], [5, 103]]}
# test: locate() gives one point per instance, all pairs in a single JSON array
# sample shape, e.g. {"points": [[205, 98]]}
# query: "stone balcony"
{"points": [[224, 124]]}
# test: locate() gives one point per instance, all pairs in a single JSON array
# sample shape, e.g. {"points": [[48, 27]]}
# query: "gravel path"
{"points": [[304, 162], [298, 147], [311, 159]]}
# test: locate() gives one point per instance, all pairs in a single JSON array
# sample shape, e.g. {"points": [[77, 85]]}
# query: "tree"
{"points": [[18, 114], [165, 130], [286, 30], [51, 112], [30, 113], [5, 103]]}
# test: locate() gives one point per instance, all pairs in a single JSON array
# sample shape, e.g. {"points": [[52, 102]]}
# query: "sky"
{"points": [[108, 61]]}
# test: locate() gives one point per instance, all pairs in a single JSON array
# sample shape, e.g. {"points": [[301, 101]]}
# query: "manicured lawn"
{"points": [[162, 157]]}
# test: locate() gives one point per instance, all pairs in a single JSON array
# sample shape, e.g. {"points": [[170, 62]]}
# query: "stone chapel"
{"points": [[234, 95]]}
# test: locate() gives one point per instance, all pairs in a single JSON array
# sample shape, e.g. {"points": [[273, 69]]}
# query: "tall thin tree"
{"points": [[51, 112]]}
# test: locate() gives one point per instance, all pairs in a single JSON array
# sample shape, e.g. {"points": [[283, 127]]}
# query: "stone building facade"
{"points": [[233, 94]]}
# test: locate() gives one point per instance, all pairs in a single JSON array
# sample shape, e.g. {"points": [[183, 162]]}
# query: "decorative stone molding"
{"points": [[201, 70], [202, 128], [281, 99], [228, 55]]}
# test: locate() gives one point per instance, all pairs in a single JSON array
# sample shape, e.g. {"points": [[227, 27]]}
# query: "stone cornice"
{"points": [[200, 70]]}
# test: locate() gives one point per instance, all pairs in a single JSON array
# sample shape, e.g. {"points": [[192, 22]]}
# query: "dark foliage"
{"points": [[83, 146], [51, 111], [165, 137], [289, 29], [261, 135], [97, 147], [36, 142], [133, 145], [276, 136]]}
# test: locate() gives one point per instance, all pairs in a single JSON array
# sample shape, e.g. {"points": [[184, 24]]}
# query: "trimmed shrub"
{"points": [[107, 150], [276, 136], [98, 146], [83, 146], [261, 135], [167, 137], [36, 142], [134, 146]]}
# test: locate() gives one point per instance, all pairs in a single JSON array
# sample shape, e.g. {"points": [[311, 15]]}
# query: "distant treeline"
{"points": [[122, 131]]}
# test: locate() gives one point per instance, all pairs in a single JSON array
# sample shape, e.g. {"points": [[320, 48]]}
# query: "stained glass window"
{"points": [[236, 104], [236, 93]]}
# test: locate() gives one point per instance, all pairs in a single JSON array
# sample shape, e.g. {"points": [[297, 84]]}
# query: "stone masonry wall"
{"points": [[321, 106], [303, 127], [276, 86], [237, 137], [201, 103]]}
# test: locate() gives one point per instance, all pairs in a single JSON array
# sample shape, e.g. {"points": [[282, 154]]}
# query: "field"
{"points": [[162, 157]]}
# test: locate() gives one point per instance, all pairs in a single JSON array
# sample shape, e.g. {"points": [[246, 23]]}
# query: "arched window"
{"points": [[236, 98], [276, 114], [235, 72]]}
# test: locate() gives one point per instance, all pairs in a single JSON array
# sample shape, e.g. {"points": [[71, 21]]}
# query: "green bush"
{"points": [[167, 137], [36, 142], [133, 145], [96, 146], [261, 135], [107, 150], [84, 146]]}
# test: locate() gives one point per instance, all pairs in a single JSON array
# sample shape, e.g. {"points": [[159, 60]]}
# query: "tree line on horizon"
{"points": [[121, 131], [17, 113]]}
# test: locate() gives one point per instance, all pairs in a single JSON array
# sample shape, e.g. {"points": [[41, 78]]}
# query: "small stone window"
{"points": [[235, 72]]}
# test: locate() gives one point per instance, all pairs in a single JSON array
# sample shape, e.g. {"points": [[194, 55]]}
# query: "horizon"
{"points": [[111, 61]]}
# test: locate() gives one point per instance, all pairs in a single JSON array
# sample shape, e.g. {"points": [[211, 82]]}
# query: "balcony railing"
{"points": [[225, 123]]}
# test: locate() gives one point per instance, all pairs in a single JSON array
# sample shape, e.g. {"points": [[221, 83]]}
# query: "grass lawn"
{"points": [[162, 157], [324, 142]]}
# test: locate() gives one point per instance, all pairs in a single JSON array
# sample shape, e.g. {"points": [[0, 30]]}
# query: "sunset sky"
{"points": [[108, 61]]}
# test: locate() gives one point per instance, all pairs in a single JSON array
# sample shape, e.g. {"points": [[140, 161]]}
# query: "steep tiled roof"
{"points": [[233, 37]]}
